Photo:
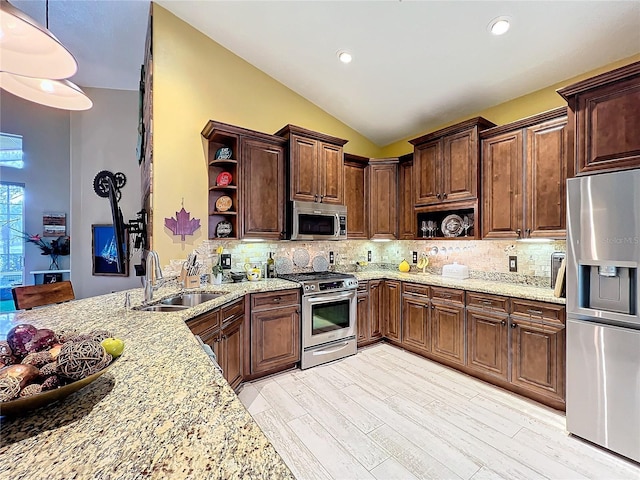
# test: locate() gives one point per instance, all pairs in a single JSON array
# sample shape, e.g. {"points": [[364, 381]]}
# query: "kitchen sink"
{"points": [[163, 308], [189, 299]]}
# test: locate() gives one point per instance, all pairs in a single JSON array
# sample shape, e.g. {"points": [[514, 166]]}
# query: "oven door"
{"points": [[327, 317]]}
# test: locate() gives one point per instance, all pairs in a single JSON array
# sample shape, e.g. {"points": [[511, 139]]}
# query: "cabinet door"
{"points": [[331, 172], [537, 362], [487, 343], [502, 185], [460, 166], [406, 215], [383, 201], [447, 332], [607, 122], [392, 304], [232, 351], [427, 159], [263, 194], [415, 323], [275, 338], [375, 306], [546, 178], [304, 169], [363, 318], [356, 197]]}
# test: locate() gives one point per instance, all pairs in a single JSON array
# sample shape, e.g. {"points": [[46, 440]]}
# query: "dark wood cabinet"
{"points": [[316, 165], [356, 194], [488, 341], [256, 190], [275, 331], [445, 163], [263, 192], [363, 312], [406, 213], [524, 171], [447, 331], [416, 328], [376, 308], [392, 309], [231, 351], [383, 198], [604, 121]]}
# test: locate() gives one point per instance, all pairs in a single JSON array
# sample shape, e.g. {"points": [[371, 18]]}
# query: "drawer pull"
{"points": [[486, 302], [534, 312], [503, 323], [446, 295], [277, 300], [514, 325]]}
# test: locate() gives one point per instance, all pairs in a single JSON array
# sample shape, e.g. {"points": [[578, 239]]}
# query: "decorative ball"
{"points": [[65, 336], [100, 335], [51, 383], [38, 359], [78, 360], [29, 390], [6, 355], [49, 369], [9, 388]]}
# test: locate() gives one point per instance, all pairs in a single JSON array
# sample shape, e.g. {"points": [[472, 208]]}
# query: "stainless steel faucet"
{"points": [[148, 282]]}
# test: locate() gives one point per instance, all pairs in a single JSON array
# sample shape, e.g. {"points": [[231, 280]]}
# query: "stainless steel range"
{"points": [[329, 305]]}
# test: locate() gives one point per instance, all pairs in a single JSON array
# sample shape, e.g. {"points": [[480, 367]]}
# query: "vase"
{"points": [[216, 278], [54, 262]]}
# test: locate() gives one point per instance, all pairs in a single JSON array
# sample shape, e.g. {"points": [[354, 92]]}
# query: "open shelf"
{"points": [[454, 215]]}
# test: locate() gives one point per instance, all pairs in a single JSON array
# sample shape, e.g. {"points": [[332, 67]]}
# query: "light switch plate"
{"points": [[513, 263], [331, 258], [368, 255]]}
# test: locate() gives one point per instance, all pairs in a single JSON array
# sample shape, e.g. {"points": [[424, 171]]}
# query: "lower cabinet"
{"points": [[487, 343], [363, 312], [275, 331], [447, 332], [392, 310], [376, 308], [416, 329]]}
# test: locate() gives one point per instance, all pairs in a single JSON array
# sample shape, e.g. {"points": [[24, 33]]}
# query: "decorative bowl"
{"points": [[20, 406]]}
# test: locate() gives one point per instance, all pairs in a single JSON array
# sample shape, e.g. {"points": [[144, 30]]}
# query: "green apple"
{"points": [[113, 346]]}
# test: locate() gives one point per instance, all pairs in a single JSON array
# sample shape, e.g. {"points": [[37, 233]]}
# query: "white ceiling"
{"points": [[416, 64]]}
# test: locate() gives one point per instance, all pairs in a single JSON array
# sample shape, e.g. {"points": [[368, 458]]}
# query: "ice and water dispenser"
{"points": [[608, 287]]}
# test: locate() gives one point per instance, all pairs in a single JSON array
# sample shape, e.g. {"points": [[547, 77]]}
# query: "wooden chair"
{"points": [[37, 295]]}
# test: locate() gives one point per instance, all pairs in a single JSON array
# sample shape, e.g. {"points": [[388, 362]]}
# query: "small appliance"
{"points": [[316, 221]]}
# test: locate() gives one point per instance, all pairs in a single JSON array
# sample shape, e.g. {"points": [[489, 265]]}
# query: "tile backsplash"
{"points": [[485, 258]]}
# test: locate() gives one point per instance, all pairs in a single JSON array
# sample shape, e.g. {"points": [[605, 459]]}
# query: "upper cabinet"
{"points": [[524, 170], [406, 214], [315, 166], [246, 182], [383, 198], [355, 192], [604, 121], [445, 163]]}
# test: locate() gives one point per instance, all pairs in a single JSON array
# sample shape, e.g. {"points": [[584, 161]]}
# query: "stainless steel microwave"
{"points": [[317, 221]]}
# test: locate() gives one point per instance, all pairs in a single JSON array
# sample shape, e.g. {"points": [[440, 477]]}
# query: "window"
{"points": [[11, 240], [11, 150]]}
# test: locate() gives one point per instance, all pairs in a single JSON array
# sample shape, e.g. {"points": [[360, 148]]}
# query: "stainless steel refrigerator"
{"points": [[603, 321]]}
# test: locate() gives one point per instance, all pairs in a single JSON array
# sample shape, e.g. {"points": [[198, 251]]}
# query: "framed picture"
{"points": [[104, 251]]}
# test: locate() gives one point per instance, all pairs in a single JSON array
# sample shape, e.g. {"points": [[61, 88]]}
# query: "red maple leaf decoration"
{"points": [[183, 224]]}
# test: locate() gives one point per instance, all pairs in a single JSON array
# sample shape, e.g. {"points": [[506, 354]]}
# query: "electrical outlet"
{"points": [[331, 258], [414, 256], [226, 261], [513, 263], [368, 255]]}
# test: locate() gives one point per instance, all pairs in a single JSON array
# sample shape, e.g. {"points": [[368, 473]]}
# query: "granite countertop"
{"points": [[516, 290], [161, 412]]}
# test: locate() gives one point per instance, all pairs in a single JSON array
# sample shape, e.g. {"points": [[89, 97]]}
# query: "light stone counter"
{"points": [[160, 412], [471, 284]]}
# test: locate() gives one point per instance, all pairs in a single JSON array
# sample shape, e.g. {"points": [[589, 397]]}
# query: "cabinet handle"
{"points": [[514, 325], [519, 232], [528, 232], [321, 197], [503, 323], [446, 295], [432, 307], [224, 337], [486, 303], [438, 196], [315, 197], [277, 300], [534, 312], [444, 195]]}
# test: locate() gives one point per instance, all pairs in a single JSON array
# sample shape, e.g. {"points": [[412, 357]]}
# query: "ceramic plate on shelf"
{"points": [[319, 264], [223, 229], [301, 257], [283, 265], [223, 203], [452, 226], [224, 153], [223, 179]]}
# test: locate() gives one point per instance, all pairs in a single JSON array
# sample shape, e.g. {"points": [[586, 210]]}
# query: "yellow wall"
{"points": [[195, 80], [521, 107]]}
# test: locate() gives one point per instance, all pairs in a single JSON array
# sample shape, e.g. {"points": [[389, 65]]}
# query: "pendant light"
{"points": [[34, 64]]}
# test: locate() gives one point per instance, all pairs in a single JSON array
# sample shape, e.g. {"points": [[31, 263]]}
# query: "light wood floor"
{"points": [[389, 414]]}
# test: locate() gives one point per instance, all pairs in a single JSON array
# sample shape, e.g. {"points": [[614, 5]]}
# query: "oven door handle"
{"points": [[334, 349], [329, 298]]}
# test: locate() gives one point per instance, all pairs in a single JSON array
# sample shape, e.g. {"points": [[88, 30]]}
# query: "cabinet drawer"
{"points": [[264, 301], [363, 287], [448, 295], [232, 310], [537, 311], [415, 289], [491, 303], [206, 322]]}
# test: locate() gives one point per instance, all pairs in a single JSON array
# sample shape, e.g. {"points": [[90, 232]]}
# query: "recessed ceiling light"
{"points": [[345, 57], [499, 25]]}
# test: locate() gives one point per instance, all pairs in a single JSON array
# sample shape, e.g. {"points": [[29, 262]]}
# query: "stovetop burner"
{"points": [[317, 282], [307, 276]]}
